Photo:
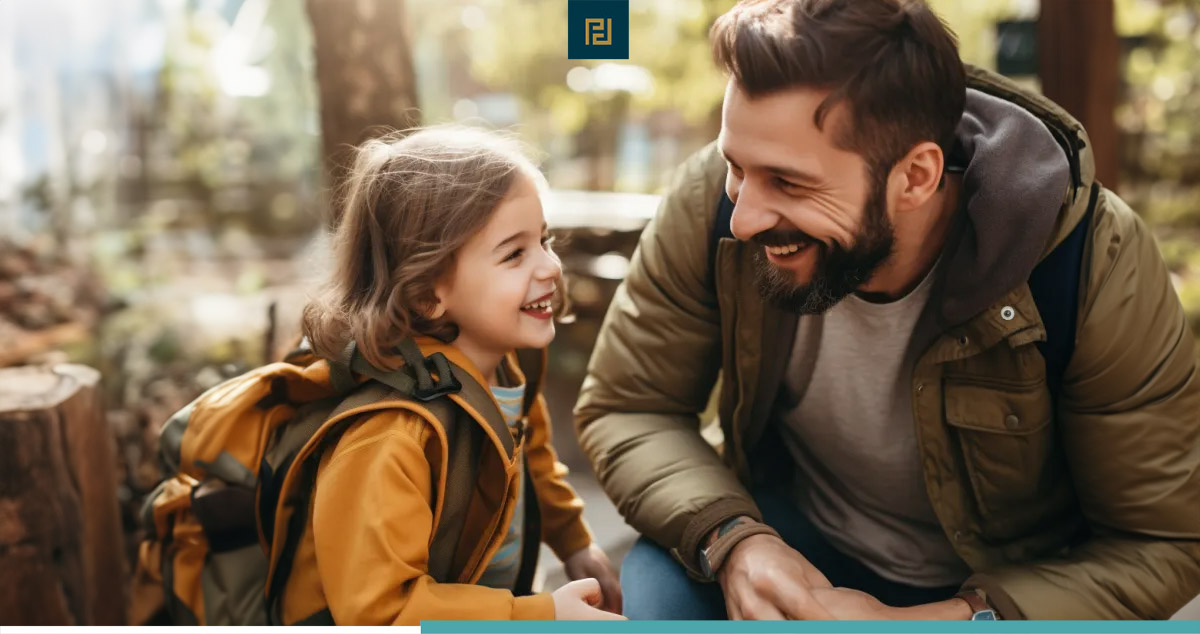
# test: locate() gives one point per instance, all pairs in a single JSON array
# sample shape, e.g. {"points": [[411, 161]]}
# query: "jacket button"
{"points": [[1011, 421], [1007, 313], [958, 536], [920, 388]]}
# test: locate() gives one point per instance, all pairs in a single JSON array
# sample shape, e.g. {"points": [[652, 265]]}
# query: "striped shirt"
{"points": [[502, 570]]}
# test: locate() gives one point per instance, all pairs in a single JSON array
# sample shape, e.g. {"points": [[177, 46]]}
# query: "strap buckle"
{"points": [[427, 389], [446, 382]]}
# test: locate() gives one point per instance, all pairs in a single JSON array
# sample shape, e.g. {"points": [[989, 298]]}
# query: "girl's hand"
{"points": [[592, 562], [578, 600]]}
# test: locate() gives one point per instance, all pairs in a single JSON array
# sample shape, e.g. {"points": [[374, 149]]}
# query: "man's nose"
{"points": [[750, 215]]}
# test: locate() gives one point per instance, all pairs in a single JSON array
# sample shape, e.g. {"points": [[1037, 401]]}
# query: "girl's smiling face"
{"points": [[504, 278]]}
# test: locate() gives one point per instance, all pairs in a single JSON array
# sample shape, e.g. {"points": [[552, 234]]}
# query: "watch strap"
{"points": [[729, 535], [977, 602]]}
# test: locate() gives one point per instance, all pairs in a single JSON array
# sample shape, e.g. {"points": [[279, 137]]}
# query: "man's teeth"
{"points": [[542, 305], [785, 249]]}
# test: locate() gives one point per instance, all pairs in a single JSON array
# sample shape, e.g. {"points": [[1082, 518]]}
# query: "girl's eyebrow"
{"points": [[513, 238], [517, 236]]}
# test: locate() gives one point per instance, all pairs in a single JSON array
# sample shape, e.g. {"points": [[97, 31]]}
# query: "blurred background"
{"points": [[165, 164]]}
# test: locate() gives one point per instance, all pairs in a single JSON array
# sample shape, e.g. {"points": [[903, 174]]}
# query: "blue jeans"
{"points": [[656, 587]]}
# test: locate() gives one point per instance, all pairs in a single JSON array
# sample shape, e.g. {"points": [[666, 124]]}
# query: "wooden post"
{"points": [[61, 547], [1078, 54]]}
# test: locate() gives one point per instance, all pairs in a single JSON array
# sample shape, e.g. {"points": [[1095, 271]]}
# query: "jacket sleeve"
{"points": [[1130, 421], [372, 525], [563, 528], [653, 368]]}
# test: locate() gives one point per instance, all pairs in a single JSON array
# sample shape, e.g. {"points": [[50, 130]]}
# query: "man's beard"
{"points": [[838, 271]]}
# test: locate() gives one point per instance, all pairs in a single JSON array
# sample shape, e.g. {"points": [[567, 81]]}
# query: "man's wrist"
{"points": [[957, 609], [723, 539]]}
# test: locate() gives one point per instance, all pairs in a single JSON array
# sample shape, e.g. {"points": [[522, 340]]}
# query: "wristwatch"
{"points": [[713, 555], [979, 606], [730, 533]]}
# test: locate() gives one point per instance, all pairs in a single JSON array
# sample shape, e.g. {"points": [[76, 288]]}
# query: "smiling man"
{"points": [[956, 379]]}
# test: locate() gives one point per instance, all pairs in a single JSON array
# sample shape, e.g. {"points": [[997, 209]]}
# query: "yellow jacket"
{"points": [[375, 510]]}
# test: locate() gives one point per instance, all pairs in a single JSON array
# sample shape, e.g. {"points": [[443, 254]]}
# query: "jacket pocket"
{"points": [[1009, 452]]}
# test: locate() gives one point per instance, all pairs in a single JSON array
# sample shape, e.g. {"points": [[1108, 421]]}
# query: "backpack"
{"points": [[241, 463], [1054, 284]]}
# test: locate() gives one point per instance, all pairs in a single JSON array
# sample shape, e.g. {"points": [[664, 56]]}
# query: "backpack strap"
{"points": [[720, 230], [532, 362], [533, 366], [465, 442], [1055, 285]]}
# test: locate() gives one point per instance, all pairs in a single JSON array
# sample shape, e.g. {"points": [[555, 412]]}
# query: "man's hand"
{"points": [[591, 562], [765, 579], [851, 605]]}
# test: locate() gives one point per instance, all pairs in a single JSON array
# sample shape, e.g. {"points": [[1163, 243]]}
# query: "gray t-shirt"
{"points": [[845, 413]]}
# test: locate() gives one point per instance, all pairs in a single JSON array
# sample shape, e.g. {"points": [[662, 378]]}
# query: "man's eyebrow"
{"points": [[779, 170]]}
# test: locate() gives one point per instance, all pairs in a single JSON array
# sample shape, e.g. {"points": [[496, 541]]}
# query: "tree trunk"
{"points": [[1078, 54], [365, 75], [61, 549]]}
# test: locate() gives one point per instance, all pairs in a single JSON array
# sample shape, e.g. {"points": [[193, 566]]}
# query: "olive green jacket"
{"points": [[1088, 507]]}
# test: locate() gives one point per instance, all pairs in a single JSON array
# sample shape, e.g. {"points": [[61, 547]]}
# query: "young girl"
{"points": [[441, 240]]}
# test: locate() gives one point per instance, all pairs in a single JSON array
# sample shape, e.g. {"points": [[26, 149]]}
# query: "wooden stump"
{"points": [[60, 531]]}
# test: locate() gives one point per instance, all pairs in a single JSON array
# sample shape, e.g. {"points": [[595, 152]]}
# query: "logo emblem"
{"points": [[598, 29]]}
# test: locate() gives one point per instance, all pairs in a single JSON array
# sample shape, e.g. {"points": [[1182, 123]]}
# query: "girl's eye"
{"points": [[547, 241], [515, 255]]}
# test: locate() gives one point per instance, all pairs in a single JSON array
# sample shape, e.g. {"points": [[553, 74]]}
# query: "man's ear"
{"points": [[920, 173]]}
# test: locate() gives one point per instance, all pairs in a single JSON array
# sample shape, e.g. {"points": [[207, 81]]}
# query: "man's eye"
{"points": [[788, 185]]}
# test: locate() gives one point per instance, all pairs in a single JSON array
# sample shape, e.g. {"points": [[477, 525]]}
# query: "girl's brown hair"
{"points": [[409, 203]]}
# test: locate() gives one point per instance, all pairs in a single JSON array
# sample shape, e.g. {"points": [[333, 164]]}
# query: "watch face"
{"points": [[705, 567], [984, 615]]}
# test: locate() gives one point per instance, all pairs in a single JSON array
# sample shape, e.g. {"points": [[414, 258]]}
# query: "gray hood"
{"points": [[1016, 180]]}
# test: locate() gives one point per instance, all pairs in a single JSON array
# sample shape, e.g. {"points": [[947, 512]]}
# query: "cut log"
{"points": [[60, 531]]}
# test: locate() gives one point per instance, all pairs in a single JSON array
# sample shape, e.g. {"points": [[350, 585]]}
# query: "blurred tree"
{"points": [[365, 73], [229, 139], [1159, 119], [1159, 115]]}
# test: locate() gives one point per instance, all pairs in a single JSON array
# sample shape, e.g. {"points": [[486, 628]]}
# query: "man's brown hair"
{"points": [[894, 62]]}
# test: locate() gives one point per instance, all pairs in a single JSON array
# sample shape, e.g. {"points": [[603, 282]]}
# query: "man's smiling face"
{"points": [[818, 216]]}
